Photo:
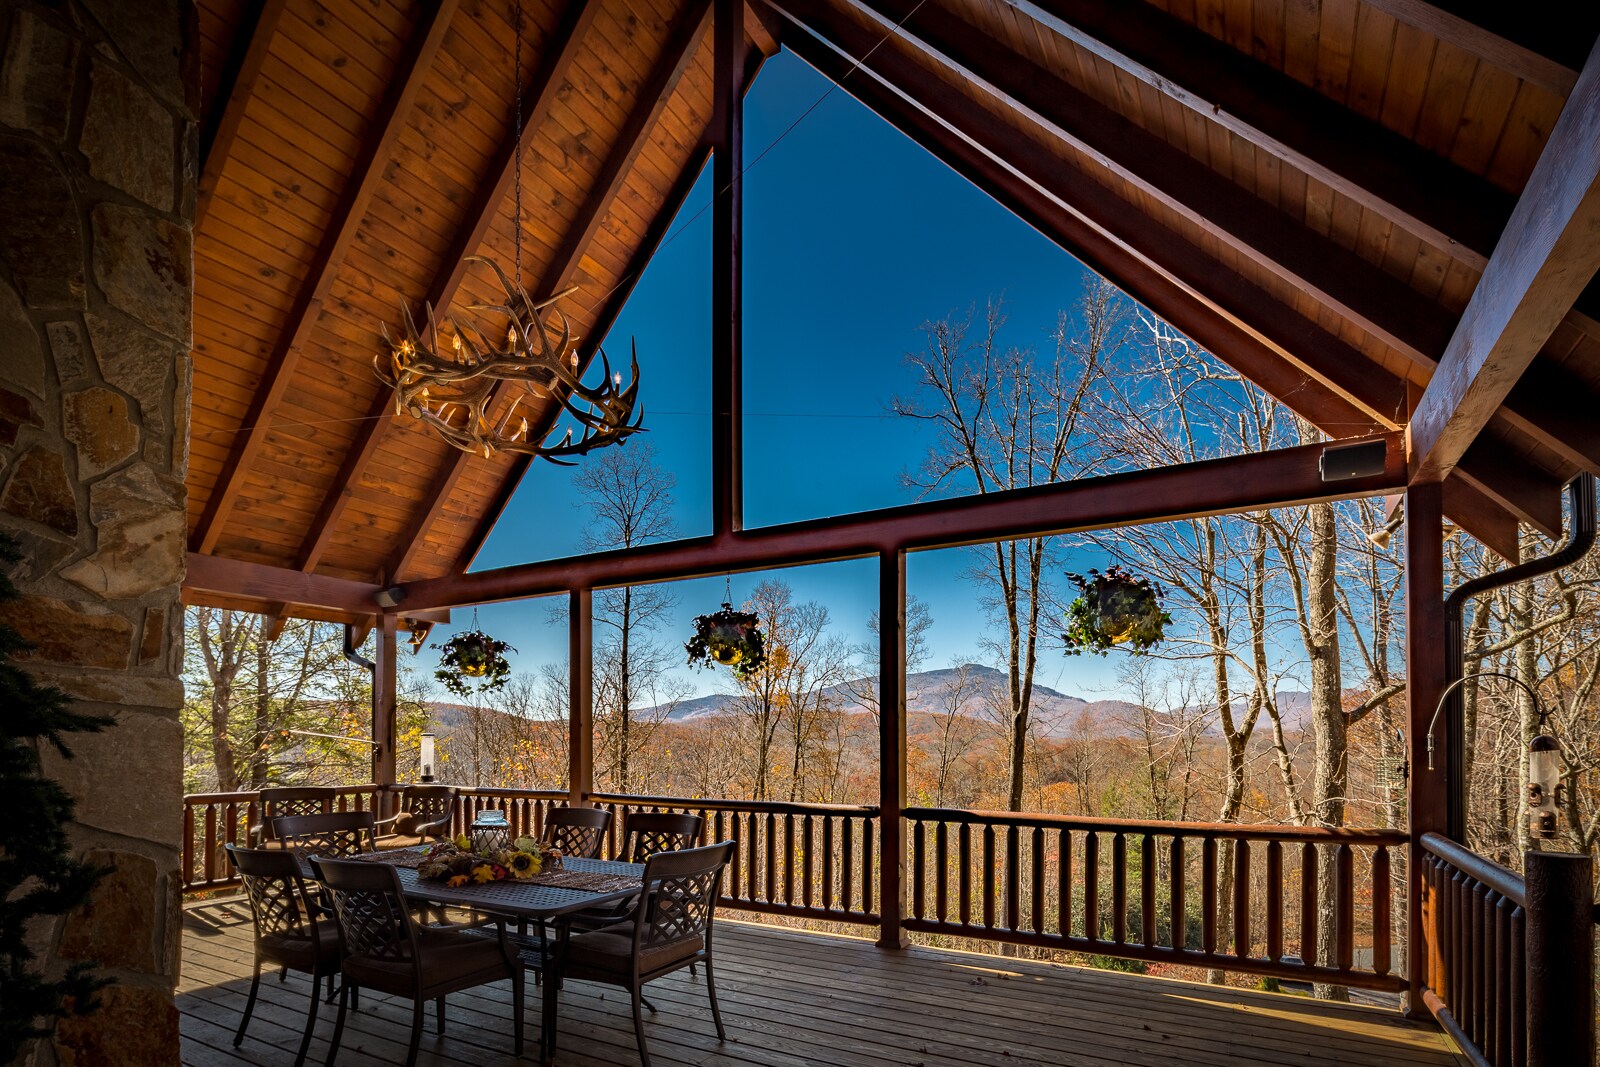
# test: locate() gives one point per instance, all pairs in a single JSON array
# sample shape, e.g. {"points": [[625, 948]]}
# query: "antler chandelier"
{"points": [[452, 387]]}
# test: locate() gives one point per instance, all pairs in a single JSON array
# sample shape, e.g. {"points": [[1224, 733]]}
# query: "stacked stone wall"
{"points": [[97, 189]]}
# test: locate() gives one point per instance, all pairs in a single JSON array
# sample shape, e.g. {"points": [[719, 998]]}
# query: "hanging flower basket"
{"points": [[1112, 609], [473, 657], [728, 638]]}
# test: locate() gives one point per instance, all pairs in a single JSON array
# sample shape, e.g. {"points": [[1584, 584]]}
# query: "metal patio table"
{"points": [[553, 906]]}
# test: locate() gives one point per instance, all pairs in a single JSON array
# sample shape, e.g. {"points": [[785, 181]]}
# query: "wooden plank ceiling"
{"points": [[1309, 188]]}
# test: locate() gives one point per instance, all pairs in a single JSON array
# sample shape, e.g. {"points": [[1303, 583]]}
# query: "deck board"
{"points": [[791, 998]]}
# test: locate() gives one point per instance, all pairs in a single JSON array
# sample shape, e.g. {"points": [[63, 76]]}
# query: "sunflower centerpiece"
{"points": [[1112, 609], [473, 659], [456, 864], [728, 638]]}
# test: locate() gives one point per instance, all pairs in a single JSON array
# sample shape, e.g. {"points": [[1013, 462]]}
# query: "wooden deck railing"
{"points": [[1153, 891], [1101, 886], [812, 861], [213, 820], [1510, 962]]}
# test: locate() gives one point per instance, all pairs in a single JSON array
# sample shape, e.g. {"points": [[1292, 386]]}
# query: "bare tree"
{"points": [[629, 499], [1005, 419]]}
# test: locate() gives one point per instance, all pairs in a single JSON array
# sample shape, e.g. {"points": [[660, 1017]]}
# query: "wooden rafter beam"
{"points": [[560, 53], [726, 454], [634, 137], [259, 581], [1445, 205], [1279, 478], [383, 133], [252, 42], [1333, 275], [1547, 255], [1542, 46]]}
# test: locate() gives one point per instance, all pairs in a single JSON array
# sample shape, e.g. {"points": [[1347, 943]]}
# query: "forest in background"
{"points": [[1277, 696]]}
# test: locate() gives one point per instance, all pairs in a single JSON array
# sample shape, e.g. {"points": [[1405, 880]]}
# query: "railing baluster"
{"points": [[210, 857], [1036, 888], [1208, 895], [1091, 885], [1274, 901], [788, 858], [847, 864], [1013, 879], [964, 884], [1178, 895], [918, 870], [1241, 898], [1308, 902], [1516, 978], [1382, 914], [1345, 913], [988, 875], [827, 862], [941, 872], [769, 885], [1147, 890], [868, 880], [1064, 881]]}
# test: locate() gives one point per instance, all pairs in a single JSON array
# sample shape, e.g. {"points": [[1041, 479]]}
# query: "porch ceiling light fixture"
{"points": [[451, 386]]}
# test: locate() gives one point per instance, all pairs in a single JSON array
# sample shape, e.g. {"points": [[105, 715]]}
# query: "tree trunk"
{"points": [[624, 692], [1330, 777]]}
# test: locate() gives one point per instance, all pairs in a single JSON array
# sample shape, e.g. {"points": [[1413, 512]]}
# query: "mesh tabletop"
{"points": [[526, 899]]}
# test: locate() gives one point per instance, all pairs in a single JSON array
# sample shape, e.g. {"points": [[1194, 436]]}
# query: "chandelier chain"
{"points": [[516, 136]]}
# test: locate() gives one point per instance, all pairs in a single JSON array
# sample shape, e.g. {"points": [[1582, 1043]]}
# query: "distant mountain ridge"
{"points": [[1055, 714]]}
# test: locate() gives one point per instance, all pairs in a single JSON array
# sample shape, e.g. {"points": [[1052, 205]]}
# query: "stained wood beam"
{"points": [[1547, 255], [726, 454], [1448, 207], [1545, 46], [383, 133], [1280, 478], [1334, 276], [1469, 508], [258, 581], [252, 42], [556, 61], [632, 140]]}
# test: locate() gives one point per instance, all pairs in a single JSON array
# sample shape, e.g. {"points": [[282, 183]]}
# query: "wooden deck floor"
{"points": [[791, 998]]}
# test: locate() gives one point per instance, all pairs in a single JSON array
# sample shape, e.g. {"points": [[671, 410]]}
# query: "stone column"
{"points": [[97, 159]]}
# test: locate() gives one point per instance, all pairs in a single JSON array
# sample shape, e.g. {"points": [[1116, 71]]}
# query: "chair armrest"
{"points": [[437, 828], [391, 820]]}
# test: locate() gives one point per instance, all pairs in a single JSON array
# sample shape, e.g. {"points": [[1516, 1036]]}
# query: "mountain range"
{"points": [[1056, 714]]}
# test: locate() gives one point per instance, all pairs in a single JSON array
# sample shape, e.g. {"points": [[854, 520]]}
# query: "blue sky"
{"points": [[854, 237]]}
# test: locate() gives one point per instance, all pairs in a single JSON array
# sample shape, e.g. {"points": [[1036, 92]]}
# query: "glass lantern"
{"points": [[490, 832], [425, 758]]}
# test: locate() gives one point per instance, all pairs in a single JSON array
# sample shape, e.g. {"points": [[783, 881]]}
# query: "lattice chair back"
{"points": [[280, 903], [577, 831], [370, 908], [430, 803], [646, 833], [682, 897], [287, 801], [340, 833]]}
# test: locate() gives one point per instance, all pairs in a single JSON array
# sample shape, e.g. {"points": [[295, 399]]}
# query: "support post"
{"points": [[891, 747], [1426, 790], [727, 293], [384, 703], [580, 723], [1560, 961]]}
